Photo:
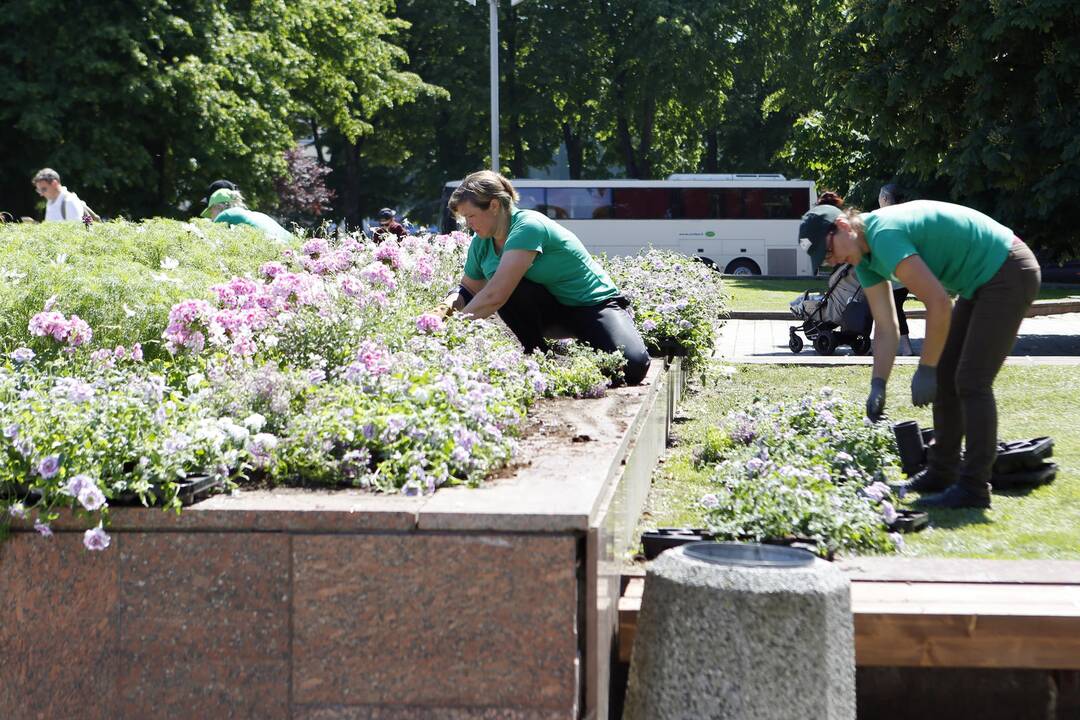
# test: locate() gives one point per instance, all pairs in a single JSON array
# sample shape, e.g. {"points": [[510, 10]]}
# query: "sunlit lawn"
{"points": [[775, 295], [1032, 401]]}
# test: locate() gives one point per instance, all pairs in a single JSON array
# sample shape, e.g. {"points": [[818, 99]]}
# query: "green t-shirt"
{"points": [[262, 221], [961, 246], [563, 265]]}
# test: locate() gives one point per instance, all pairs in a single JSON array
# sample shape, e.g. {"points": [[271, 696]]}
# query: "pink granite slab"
{"points": [[203, 625], [57, 630], [440, 620]]}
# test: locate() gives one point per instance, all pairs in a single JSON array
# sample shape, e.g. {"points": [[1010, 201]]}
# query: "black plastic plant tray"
{"points": [[909, 521], [1032, 477], [657, 541], [1022, 455], [189, 490]]}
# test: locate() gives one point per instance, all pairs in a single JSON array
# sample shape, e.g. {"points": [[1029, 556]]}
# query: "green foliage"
{"points": [[812, 469], [577, 370], [966, 101], [139, 107], [120, 277]]}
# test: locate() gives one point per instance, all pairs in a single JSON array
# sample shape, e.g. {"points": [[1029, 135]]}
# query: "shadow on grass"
{"points": [[953, 519]]}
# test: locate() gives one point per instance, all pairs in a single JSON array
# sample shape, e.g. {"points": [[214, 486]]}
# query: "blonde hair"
{"points": [[855, 216], [481, 188]]}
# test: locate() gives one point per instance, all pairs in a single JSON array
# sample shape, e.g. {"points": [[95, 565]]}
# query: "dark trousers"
{"points": [[899, 296], [532, 311], [981, 334]]}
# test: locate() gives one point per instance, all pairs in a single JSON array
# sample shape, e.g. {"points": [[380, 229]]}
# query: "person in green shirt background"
{"points": [[227, 206], [938, 249], [537, 276]]}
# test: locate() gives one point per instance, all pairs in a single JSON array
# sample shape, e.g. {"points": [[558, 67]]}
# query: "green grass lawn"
{"points": [[773, 295], [1032, 401]]}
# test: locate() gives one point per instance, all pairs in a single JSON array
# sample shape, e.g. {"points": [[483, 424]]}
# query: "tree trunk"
{"points": [[351, 188], [648, 123], [712, 152], [575, 153], [317, 142]]}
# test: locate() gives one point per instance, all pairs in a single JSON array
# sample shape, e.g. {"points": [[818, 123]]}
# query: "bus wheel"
{"points": [[742, 266]]}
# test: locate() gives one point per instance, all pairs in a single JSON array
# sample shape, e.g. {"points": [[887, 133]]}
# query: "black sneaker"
{"points": [[928, 480], [959, 495]]}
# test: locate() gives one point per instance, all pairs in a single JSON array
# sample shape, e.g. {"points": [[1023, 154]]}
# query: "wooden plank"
{"points": [[938, 624], [959, 641], [963, 570]]}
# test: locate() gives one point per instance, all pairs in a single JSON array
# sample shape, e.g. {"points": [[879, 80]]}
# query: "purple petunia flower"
{"points": [[48, 466], [43, 528], [17, 510], [22, 355], [888, 512], [96, 539], [75, 484], [91, 497]]}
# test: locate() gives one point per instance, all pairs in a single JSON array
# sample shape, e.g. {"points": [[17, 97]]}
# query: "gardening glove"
{"points": [[442, 310], [924, 385], [875, 402]]}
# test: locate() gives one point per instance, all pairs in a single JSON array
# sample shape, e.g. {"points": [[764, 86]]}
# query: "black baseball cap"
{"points": [[816, 225]]}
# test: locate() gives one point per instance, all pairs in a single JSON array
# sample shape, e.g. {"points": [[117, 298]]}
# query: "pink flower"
{"points": [[96, 539], [428, 323], [272, 269], [388, 253], [79, 332], [136, 352], [42, 528], [315, 247], [120, 352], [378, 274]]}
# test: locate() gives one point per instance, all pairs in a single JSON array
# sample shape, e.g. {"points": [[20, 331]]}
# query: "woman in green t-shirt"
{"points": [[938, 249], [537, 276]]}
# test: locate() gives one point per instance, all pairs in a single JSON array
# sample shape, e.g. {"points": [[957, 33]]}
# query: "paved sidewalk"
{"points": [[1045, 340]]}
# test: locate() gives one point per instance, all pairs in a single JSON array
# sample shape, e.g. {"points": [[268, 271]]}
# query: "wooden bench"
{"points": [[947, 613]]}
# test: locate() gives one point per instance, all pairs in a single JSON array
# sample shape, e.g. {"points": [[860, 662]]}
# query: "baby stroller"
{"points": [[840, 316]]}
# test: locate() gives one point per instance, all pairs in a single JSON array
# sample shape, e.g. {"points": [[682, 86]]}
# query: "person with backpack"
{"points": [[61, 205]]}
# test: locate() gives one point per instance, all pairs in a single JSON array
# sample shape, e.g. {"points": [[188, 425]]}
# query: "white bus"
{"points": [[740, 224]]}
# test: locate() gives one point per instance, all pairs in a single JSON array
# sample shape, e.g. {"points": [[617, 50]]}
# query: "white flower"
{"points": [[91, 497], [168, 263], [194, 380], [96, 539], [255, 422], [270, 341]]}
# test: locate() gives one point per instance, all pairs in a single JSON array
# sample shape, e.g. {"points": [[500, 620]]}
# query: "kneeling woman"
{"points": [[538, 276]]}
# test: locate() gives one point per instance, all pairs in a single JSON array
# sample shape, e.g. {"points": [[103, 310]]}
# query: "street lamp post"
{"points": [[493, 19]]}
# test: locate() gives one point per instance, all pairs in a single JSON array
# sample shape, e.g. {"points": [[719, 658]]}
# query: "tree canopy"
{"points": [[139, 106]]}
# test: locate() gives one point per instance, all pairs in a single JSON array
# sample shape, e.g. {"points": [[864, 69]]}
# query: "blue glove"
{"points": [[924, 385], [875, 403]]}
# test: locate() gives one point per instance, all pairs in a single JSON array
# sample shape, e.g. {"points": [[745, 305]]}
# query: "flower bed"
{"points": [[811, 470], [320, 368], [677, 302]]}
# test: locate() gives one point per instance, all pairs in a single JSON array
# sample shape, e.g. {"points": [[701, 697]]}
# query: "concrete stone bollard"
{"points": [[739, 631]]}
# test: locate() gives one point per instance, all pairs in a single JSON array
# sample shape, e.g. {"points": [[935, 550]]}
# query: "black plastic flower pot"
{"points": [[657, 541], [190, 490], [909, 521], [1045, 473], [909, 445]]}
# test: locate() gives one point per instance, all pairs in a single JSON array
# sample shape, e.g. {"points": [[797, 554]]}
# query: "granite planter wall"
{"points": [[472, 603]]}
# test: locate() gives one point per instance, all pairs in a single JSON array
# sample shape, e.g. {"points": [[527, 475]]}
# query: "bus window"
{"points": [[531, 198], [710, 204], [642, 204], [694, 204], [775, 203], [578, 203]]}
